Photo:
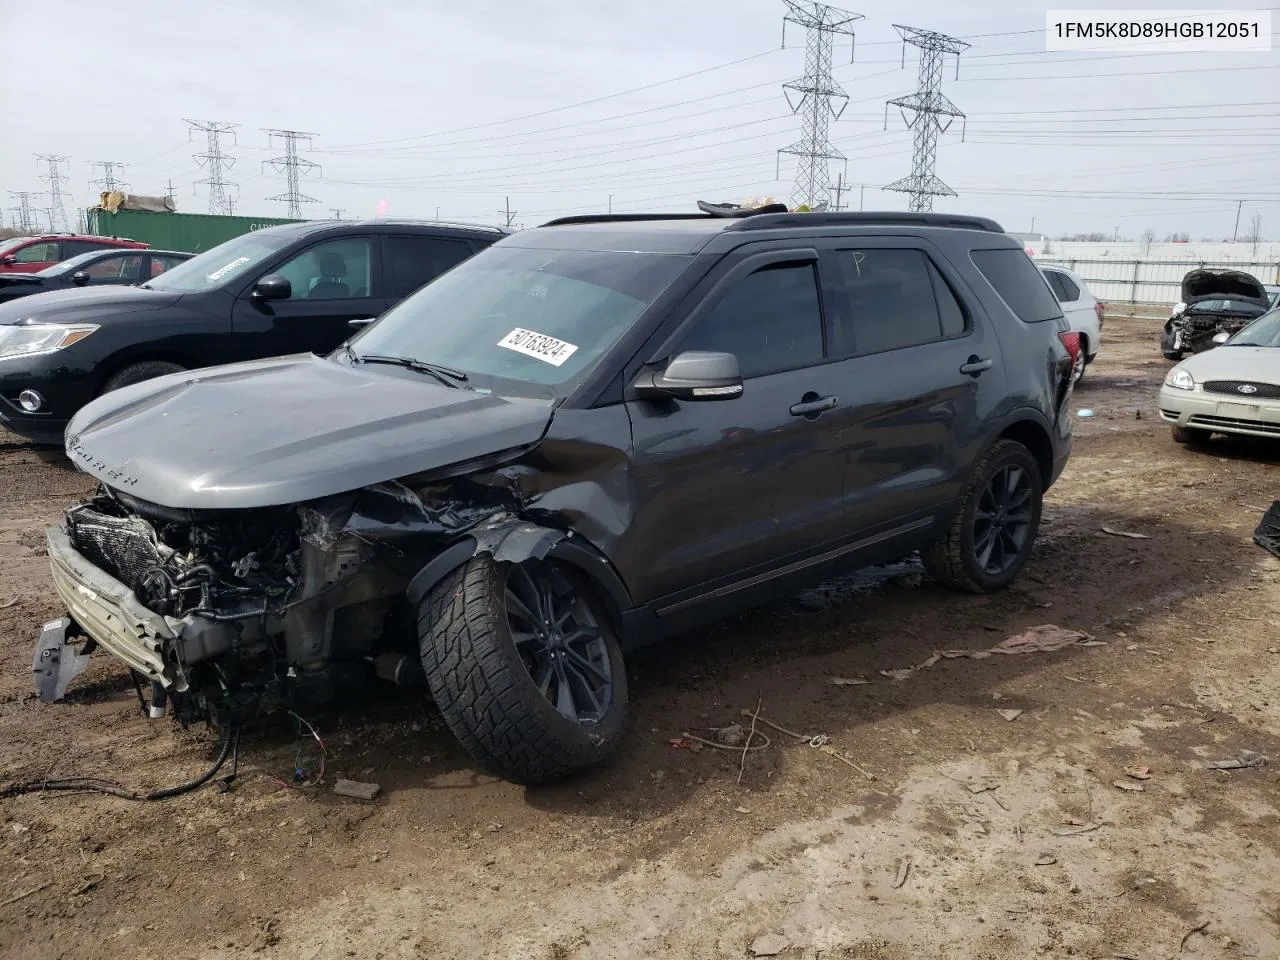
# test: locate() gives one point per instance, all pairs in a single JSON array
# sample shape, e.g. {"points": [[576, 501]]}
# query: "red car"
{"points": [[29, 254]]}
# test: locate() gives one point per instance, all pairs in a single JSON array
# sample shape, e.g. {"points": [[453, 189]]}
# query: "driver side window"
{"points": [[333, 270], [37, 253], [770, 320]]}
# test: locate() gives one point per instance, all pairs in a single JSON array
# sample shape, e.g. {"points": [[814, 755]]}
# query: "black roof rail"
{"points": [[771, 221], [623, 218]]}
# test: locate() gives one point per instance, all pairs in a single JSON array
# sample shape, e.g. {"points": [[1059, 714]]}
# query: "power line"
{"points": [[927, 105], [291, 165], [108, 180], [57, 213], [216, 162], [817, 90]]}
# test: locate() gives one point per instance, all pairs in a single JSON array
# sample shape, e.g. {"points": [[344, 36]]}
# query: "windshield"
{"points": [[71, 265], [219, 266], [1263, 332], [520, 321]]}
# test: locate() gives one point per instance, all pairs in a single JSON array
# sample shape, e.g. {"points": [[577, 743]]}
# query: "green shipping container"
{"points": [[187, 232]]}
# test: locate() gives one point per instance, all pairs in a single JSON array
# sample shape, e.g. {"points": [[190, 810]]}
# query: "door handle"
{"points": [[813, 407], [359, 322], [976, 365]]}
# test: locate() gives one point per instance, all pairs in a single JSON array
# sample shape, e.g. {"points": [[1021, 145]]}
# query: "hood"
{"points": [[285, 430], [19, 279], [1221, 285], [85, 304], [1257, 364]]}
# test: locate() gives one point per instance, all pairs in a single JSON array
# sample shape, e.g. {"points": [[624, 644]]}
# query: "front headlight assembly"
{"points": [[1180, 379], [35, 339]]}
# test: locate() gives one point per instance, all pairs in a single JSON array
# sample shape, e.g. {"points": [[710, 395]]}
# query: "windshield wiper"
{"points": [[447, 376]]}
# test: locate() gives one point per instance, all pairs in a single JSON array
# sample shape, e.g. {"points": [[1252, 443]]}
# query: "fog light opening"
{"points": [[30, 401]]}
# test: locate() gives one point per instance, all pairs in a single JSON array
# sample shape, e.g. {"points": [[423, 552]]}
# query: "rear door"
{"points": [[334, 281], [922, 376], [411, 260]]}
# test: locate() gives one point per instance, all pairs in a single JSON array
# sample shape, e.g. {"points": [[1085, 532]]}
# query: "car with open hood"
{"points": [[1233, 390], [590, 436], [1213, 302]]}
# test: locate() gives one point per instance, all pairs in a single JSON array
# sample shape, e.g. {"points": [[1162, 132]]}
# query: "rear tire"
{"points": [[1078, 374], [503, 665], [1191, 436], [994, 530], [138, 372]]}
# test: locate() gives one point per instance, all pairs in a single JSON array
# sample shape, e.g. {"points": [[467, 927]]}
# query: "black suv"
{"points": [[286, 289], [592, 435]]}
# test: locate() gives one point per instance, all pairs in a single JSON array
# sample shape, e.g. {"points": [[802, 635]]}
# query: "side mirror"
{"points": [[693, 375], [8, 258], [80, 278], [1221, 337], [272, 287]]}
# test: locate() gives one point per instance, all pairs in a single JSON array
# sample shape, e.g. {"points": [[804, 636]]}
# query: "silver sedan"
{"points": [[1234, 389]]}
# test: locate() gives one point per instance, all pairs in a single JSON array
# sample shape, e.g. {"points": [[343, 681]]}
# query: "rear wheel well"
{"points": [[1033, 437]]}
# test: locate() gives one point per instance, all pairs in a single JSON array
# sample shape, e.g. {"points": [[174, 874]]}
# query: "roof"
{"points": [[688, 233], [305, 227]]}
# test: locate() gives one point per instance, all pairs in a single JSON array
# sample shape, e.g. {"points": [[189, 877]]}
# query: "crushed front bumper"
{"points": [[109, 612]]}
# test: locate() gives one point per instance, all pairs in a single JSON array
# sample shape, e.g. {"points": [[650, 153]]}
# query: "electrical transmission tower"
{"points": [[23, 219], [817, 91], [55, 180], [216, 162], [928, 106], [108, 180], [291, 165]]}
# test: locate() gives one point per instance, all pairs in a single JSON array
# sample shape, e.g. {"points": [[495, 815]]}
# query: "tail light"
{"points": [[1099, 309], [1071, 340]]}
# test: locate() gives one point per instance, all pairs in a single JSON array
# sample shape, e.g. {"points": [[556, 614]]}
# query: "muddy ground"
{"points": [[676, 853]]}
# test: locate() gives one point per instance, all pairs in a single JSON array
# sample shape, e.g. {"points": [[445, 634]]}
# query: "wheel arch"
{"points": [[120, 361], [517, 541], [1035, 437]]}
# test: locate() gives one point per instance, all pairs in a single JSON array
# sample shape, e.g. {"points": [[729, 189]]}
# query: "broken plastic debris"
{"points": [[1247, 758], [1084, 412], [1125, 533], [848, 681]]}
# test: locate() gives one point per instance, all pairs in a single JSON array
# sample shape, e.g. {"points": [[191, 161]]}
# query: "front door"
{"points": [[333, 282], [726, 489]]}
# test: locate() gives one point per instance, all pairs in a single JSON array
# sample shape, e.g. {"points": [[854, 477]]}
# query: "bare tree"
{"points": [[1148, 238], [1254, 236]]}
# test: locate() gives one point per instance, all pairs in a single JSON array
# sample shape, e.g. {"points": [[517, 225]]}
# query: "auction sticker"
{"points": [[223, 271], [538, 345]]}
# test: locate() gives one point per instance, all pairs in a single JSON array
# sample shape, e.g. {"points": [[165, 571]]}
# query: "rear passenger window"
{"points": [[414, 261], [894, 299], [1018, 281], [771, 321], [1070, 292]]}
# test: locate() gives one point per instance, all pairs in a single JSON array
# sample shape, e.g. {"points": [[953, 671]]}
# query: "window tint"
{"points": [[892, 299], [122, 268], [37, 253], [1019, 283], [1070, 292], [1054, 279], [953, 319], [413, 261], [71, 248], [333, 270], [160, 264], [771, 321]]}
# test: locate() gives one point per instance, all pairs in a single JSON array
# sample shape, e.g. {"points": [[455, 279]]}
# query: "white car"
{"points": [[1234, 388], [1081, 308]]}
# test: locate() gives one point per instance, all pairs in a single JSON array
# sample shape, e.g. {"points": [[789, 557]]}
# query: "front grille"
{"points": [[1223, 423], [125, 547], [1261, 391]]}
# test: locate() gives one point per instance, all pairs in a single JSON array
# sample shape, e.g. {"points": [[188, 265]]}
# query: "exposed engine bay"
{"points": [[267, 606], [1214, 302]]}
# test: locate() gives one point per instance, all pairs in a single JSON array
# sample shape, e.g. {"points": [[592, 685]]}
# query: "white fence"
{"points": [[1151, 281]]}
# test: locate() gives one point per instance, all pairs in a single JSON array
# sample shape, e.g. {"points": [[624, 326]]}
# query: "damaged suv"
{"points": [[593, 435], [1215, 304]]}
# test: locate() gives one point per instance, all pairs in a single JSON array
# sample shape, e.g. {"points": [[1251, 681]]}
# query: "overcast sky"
{"points": [[455, 106]]}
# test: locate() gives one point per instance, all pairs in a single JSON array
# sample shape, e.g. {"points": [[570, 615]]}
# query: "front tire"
{"points": [[525, 668], [138, 372], [994, 530], [1190, 436]]}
